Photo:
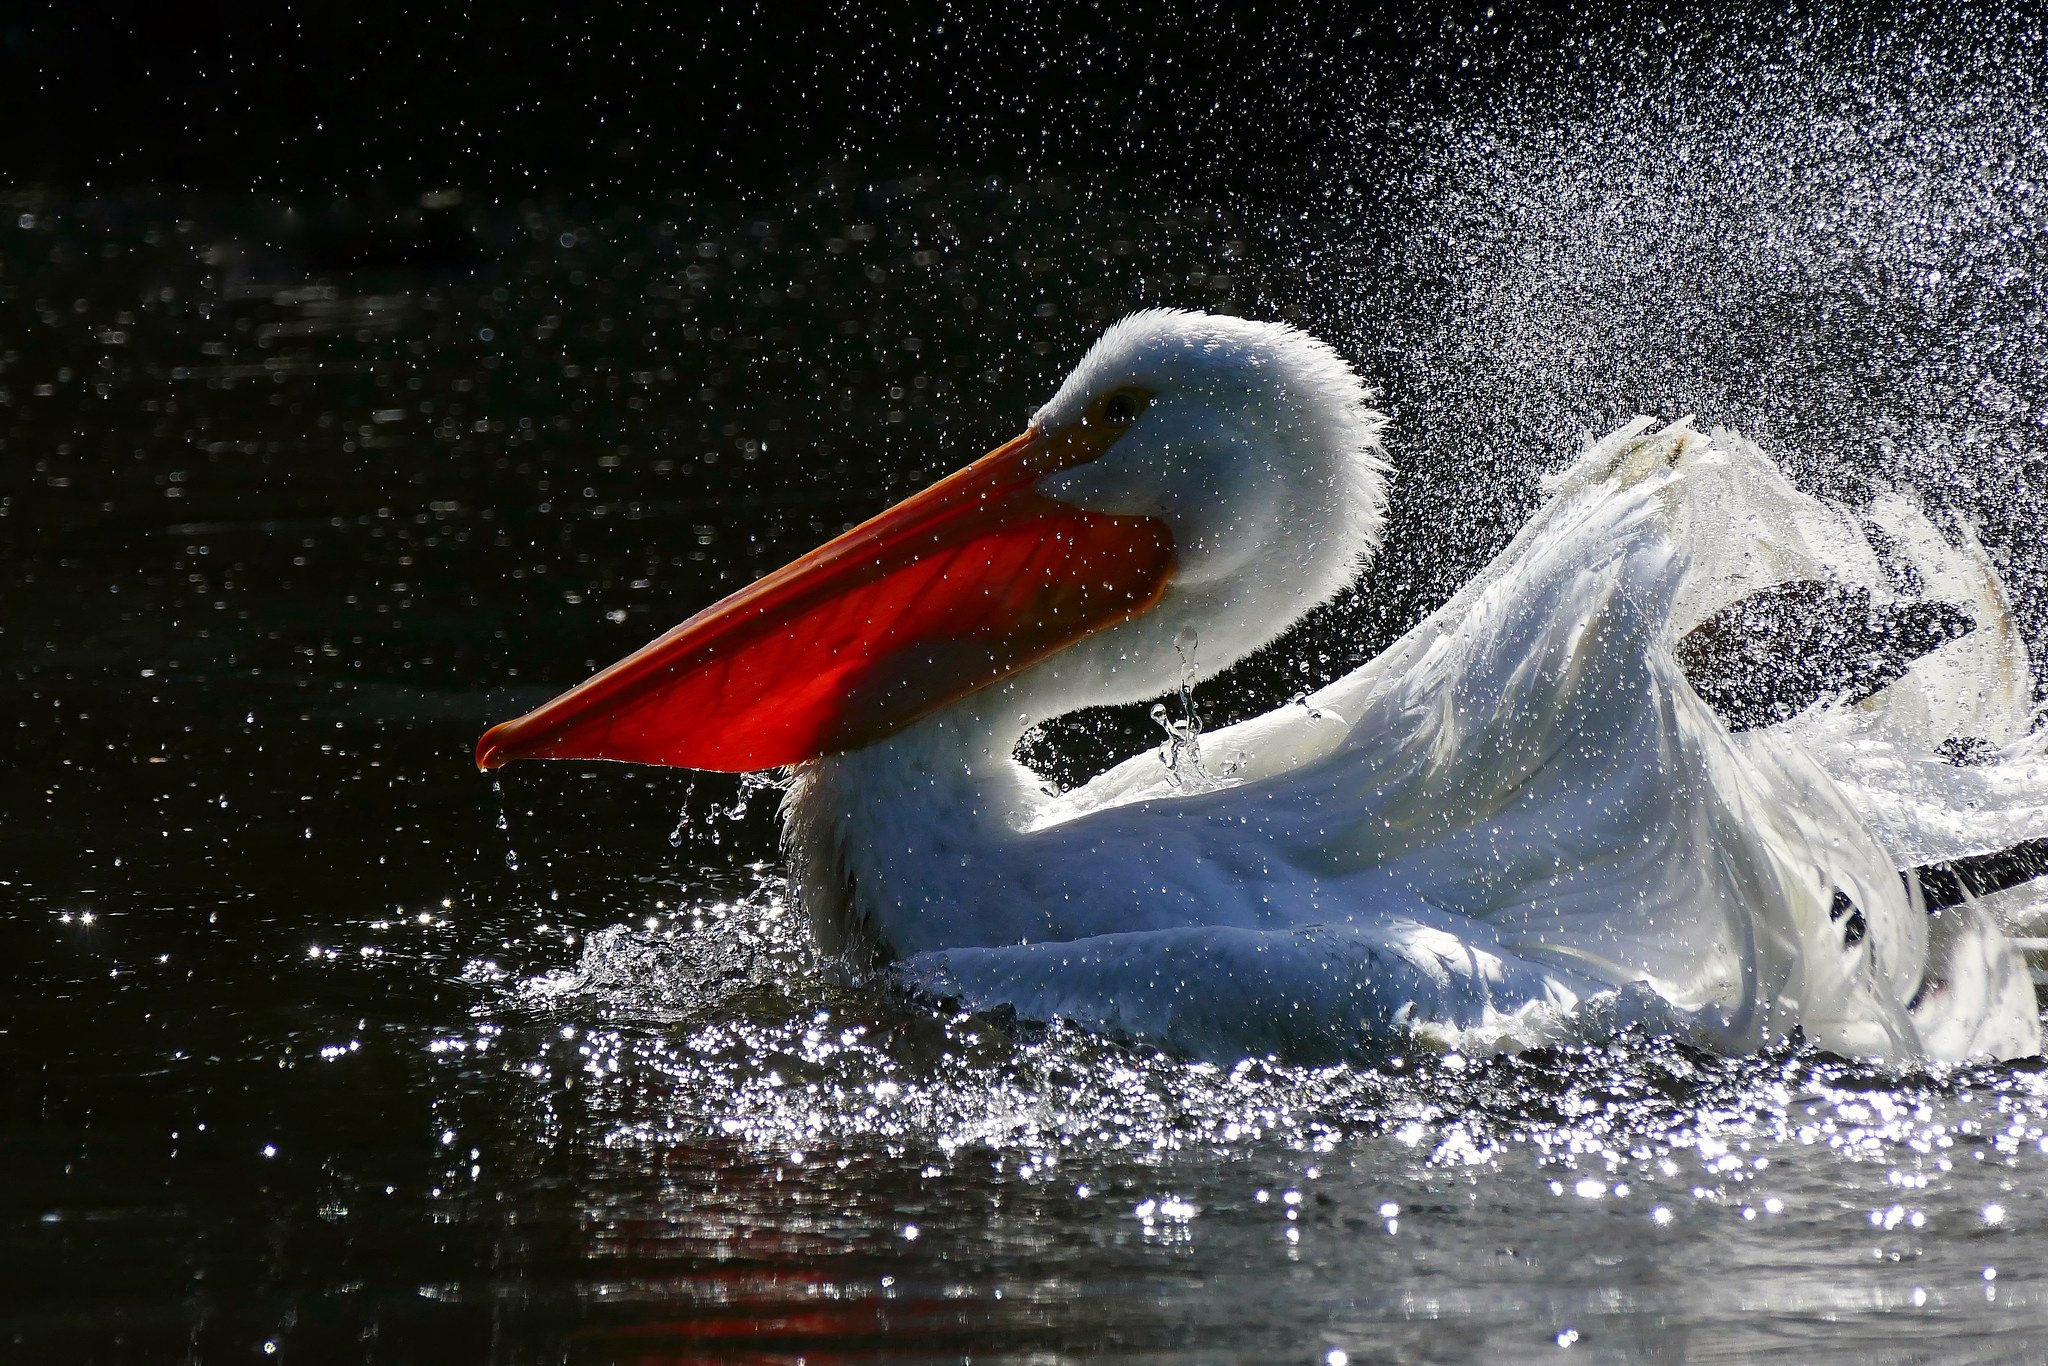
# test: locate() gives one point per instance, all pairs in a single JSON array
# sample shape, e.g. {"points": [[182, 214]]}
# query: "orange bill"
{"points": [[961, 585]]}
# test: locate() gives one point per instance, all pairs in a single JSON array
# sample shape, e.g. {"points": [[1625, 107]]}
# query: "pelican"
{"points": [[1696, 753]]}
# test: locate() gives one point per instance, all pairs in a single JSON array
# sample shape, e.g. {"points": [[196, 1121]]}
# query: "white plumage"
{"points": [[1519, 824]]}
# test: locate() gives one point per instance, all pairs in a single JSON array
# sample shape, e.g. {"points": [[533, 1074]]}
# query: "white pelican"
{"points": [[1523, 822]]}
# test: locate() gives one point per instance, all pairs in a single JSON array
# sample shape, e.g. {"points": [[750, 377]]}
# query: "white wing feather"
{"points": [[1521, 818]]}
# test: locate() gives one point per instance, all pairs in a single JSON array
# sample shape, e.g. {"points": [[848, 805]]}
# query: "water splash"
{"points": [[504, 823], [739, 1002], [751, 785], [754, 785], [680, 833], [1839, 253], [1181, 751]]}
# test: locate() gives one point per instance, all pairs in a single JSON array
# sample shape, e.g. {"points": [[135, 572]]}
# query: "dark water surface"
{"points": [[320, 1045]]}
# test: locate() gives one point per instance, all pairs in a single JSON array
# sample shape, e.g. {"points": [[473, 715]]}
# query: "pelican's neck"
{"points": [[883, 839]]}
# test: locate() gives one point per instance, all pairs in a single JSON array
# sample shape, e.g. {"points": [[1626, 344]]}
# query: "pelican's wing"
{"points": [[1528, 775]]}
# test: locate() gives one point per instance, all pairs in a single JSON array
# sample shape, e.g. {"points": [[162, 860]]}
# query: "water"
{"points": [[321, 1044]]}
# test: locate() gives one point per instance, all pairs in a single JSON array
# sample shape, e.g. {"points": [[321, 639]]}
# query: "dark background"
{"points": [[640, 99], [1341, 162], [636, 100]]}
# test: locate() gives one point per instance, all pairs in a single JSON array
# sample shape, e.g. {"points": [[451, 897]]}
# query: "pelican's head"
{"points": [[1254, 444], [1195, 486]]}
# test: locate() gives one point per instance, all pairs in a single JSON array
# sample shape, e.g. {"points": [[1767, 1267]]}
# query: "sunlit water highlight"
{"points": [[1754, 1200]]}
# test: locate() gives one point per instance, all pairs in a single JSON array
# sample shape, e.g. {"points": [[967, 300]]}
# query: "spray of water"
{"points": [[1831, 235], [751, 785], [1181, 751], [504, 823]]}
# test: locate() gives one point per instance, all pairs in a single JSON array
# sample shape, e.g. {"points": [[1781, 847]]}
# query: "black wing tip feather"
{"points": [[1951, 883]]}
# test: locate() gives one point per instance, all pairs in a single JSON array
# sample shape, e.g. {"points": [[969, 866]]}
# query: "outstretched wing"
{"points": [[1533, 759]]}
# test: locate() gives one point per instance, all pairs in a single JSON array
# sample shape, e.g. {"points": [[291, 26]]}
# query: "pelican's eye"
{"points": [[1123, 406]]}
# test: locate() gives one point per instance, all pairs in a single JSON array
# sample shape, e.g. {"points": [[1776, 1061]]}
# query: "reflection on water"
{"points": [[320, 1043]]}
